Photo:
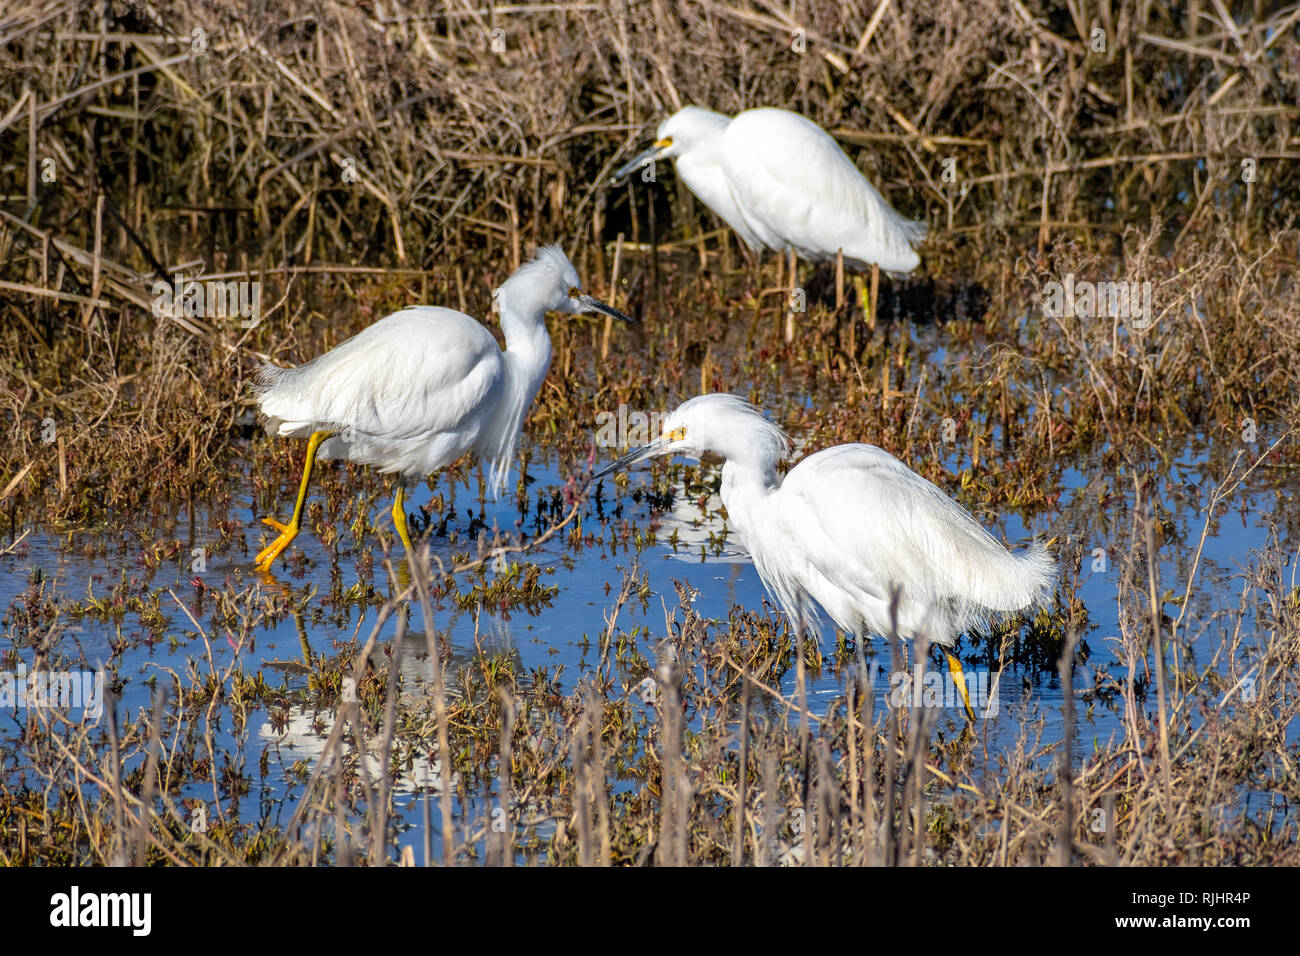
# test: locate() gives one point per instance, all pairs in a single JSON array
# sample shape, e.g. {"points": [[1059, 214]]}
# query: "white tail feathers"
{"points": [[1015, 582], [1038, 570]]}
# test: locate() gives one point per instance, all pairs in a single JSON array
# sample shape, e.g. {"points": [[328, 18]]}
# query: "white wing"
{"points": [[866, 524], [704, 176], [796, 188], [410, 393]]}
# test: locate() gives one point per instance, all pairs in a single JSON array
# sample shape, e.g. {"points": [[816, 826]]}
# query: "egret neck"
{"points": [[746, 487], [527, 358], [749, 487]]}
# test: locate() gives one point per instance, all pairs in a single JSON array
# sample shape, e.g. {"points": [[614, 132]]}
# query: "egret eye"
{"points": [[677, 434], [574, 292], [663, 143]]}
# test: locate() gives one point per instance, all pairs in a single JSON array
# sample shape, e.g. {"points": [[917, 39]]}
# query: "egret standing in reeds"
{"points": [[850, 527], [420, 388], [782, 183]]}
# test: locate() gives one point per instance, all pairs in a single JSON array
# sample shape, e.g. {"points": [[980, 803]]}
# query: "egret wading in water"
{"points": [[418, 389], [782, 183], [849, 526]]}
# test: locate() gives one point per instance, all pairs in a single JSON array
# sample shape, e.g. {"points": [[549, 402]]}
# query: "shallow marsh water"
{"points": [[147, 569]]}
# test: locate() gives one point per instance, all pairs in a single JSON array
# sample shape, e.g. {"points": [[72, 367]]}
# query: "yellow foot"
{"points": [[958, 678], [266, 557]]}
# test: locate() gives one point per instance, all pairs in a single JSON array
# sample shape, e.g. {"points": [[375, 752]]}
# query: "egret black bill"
{"points": [[631, 458], [595, 305], [655, 152]]}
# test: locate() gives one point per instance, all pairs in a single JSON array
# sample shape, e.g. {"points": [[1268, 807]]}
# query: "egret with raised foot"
{"points": [[418, 389]]}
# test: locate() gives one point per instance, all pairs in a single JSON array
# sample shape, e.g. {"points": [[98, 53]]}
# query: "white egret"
{"points": [[420, 388], [782, 183], [849, 526]]}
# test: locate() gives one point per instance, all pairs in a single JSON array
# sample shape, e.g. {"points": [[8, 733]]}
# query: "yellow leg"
{"points": [[864, 300], [794, 285], [958, 678], [839, 280], [266, 557], [399, 517], [875, 294]]}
